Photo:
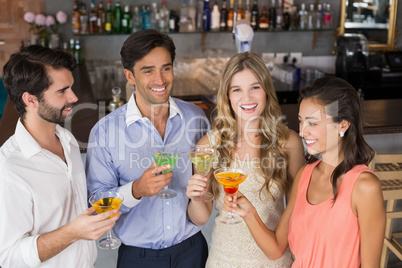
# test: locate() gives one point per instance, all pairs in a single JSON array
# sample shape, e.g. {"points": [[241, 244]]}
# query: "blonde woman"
{"points": [[249, 134]]}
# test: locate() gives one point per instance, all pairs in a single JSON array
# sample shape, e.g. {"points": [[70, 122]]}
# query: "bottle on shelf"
{"points": [[126, 20], [230, 16], [311, 18], [254, 16], [146, 17], [164, 18], [263, 20], [303, 16], [240, 10], [206, 17], [116, 101], [247, 11], [279, 14], [137, 20], [183, 24], [72, 47], [224, 17], [174, 22], [327, 20], [117, 18], [319, 16], [200, 11], [75, 19], [294, 18], [109, 18], [101, 18], [215, 17], [286, 17], [192, 13], [93, 19], [272, 16], [155, 16], [77, 52], [84, 19]]}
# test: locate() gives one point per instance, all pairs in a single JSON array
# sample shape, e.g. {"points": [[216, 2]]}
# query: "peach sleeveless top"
{"points": [[323, 235]]}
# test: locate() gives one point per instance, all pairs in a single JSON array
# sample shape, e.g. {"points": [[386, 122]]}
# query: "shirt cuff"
{"points": [[129, 200], [29, 251]]}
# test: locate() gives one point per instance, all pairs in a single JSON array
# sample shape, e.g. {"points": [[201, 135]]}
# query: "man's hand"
{"points": [[151, 181]]}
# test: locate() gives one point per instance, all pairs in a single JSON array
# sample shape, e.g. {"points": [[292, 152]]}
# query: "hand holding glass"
{"points": [[202, 158], [167, 157], [230, 178], [103, 202]]}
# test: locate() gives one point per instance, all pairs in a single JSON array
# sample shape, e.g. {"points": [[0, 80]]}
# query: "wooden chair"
{"points": [[388, 168]]}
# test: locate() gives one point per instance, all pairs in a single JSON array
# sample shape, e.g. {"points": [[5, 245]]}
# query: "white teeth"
{"points": [[248, 106], [158, 89], [310, 141]]}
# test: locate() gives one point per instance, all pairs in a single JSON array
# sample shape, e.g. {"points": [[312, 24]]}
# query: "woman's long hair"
{"points": [[342, 103], [273, 132]]}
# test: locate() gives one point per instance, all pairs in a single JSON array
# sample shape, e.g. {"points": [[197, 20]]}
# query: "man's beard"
{"points": [[50, 113]]}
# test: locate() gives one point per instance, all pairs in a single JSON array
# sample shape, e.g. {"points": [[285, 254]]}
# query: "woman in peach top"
{"points": [[336, 215]]}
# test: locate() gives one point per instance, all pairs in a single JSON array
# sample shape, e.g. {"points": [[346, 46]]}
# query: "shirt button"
{"points": [[165, 246], [168, 227], [167, 203]]}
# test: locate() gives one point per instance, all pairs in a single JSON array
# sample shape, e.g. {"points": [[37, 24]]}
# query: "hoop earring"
{"points": [[342, 134]]}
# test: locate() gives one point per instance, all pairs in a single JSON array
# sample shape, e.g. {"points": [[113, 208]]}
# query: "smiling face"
{"points": [[247, 96], [318, 128], [58, 100], [153, 77]]}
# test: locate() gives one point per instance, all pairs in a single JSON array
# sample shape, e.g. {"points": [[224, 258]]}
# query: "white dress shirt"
{"points": [[39, 193]]}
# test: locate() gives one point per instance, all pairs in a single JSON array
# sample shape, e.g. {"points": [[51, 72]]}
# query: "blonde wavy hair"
{"points": [[273, 132]]}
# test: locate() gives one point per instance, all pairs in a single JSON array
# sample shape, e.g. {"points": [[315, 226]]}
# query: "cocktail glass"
{"points": [[230, 178], [102, 202], [164, 158], [202, 158]]}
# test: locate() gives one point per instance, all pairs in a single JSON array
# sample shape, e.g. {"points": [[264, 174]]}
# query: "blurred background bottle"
{"points": [[146, 17], [303, 16], [263, 21], [206, 17], [272, 16], [155, 16], [117, 18], [224, 17], [240, 10], [254, 16], [164, 18], [84, 19], [126, 20], [137, 20], [215, 17], [101, 18], [93, 19], [230, 16], [75, 19], [109, 19]]}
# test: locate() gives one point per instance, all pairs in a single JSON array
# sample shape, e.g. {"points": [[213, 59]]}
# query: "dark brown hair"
{"points": [[342, 103]]}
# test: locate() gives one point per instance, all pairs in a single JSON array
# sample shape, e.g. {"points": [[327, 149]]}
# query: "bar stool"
{"points": [[388, 168]]}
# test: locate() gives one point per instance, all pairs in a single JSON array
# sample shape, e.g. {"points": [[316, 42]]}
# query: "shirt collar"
{"points": [[28, 145], [133, 114]]}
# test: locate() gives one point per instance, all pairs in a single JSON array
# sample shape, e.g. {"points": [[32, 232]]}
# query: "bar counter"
{"points": [[379, 116]]}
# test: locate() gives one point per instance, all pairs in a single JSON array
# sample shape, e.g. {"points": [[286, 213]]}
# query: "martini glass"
{"points": [[230, 178], [202, 158], [102, 202], [164, 158]]}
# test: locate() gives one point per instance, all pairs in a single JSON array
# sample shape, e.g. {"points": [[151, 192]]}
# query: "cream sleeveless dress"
{"points": [[233, 245]]}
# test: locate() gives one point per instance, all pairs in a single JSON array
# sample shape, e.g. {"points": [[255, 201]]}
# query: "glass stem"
{"points": [[109, 235]]}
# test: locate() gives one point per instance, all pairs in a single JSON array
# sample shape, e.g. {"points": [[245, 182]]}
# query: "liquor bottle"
{"points": [[77, 52], [230, 16], [164, 18], [327, 20], [272, 16], [155, 17], [174, 22], [75, 19], [311, 17], [101, 17], [286, 18], [192, 13], [240, 11], [126, 20], [72, 47], [263, 21], [117, 18], [84, 19], [109, 21], [183, 17], [294, 18], [137, 20], [224, 17], [254, 16], [319, 17], [93, 18], [206, 17], [200, 11], [303, 16], [215, 17], [247, 11], [279, 14], [146, 17]]}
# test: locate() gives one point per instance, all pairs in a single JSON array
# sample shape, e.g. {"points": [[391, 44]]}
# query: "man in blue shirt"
{"points": [[154, 232]]}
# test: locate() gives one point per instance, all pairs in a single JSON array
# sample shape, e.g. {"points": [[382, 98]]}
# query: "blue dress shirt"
{"points": [[120, 149]]}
